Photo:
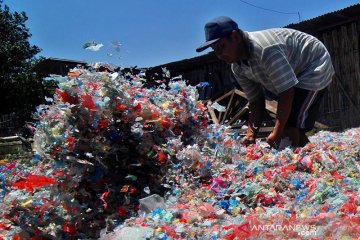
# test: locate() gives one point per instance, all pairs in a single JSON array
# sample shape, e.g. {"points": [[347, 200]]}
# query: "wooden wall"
{"points": [[340, 107]]}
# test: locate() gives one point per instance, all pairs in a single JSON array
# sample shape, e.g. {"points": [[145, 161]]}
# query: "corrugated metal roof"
{"points": [[328, 21]]}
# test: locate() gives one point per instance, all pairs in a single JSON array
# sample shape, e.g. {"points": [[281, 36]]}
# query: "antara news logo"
{"points": [[302, 230]]}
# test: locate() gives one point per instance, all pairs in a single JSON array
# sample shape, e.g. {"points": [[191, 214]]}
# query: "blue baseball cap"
{"points": [[215, 29]]}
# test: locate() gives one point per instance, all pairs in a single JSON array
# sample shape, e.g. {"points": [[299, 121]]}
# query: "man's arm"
{"points": [[282, 115], [256, 115]]}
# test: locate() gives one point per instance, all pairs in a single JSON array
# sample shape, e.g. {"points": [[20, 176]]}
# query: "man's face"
{"points": [[227, 49]]}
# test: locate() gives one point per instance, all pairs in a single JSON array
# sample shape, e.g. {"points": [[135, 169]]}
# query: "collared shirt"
{"points": [[282, 58]]}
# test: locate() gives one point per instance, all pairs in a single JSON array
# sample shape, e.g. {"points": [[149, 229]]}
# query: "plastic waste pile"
{"points": [[116, 160], [102, 144], [223, 190]]}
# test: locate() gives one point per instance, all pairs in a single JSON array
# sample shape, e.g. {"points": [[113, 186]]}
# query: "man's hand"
{"points": [[273, 140], [248, 140], [256, 113], [282, 115]]}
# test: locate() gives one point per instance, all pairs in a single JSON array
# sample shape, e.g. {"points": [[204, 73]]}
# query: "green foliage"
{"points": [[15, 49], [20, 88]]}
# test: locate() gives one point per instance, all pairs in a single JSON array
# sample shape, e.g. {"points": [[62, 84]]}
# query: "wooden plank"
{"points": [[261, 130], [271, 106], [228, 107], [337, 66], [212, 114], [355, 61], [239, 114], [347, 96], [320, 125], [10, 139], [240, 93], [327, 100], [224, 96]]}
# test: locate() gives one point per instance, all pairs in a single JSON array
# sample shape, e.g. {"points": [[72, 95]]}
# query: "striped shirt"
{"points": [[282, 58]]}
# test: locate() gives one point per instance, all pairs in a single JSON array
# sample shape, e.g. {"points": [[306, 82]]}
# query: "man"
{"points": [[294, 66]]}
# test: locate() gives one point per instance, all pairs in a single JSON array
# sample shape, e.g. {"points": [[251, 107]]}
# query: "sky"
{"points": [[145, 33]]}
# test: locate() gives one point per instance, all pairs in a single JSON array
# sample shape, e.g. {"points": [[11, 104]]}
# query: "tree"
{"points": [[20, 87]]}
